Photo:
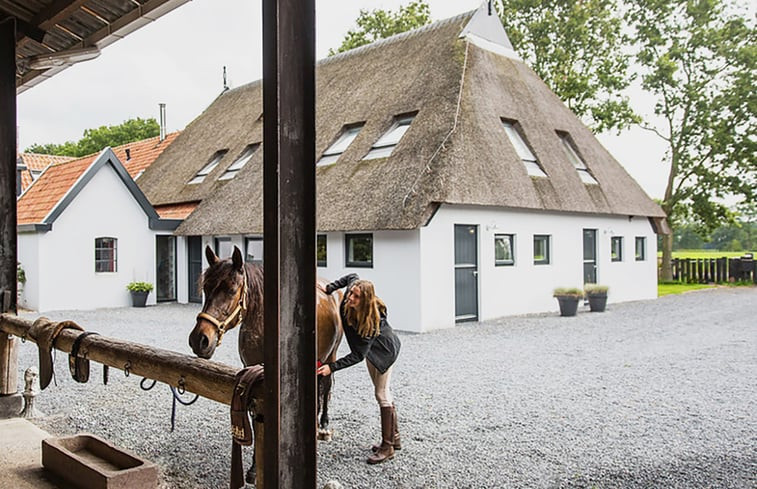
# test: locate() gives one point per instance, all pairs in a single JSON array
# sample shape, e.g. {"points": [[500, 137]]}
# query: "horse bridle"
{"points": [[235, 317]]}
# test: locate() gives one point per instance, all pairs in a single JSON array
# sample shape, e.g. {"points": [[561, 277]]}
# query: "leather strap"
{"points": [[241, 431], [79, 366], [44, 333]]}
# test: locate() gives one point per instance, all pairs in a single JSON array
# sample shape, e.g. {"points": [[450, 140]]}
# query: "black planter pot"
{"points": [[597, 302], [568, 305], [138, 299]]}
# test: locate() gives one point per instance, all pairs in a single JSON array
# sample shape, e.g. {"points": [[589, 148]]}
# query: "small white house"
{"points": [[85, 230], [447, 173]]}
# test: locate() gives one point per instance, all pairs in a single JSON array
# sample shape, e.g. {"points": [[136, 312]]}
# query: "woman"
{"points": [[370, 337]]}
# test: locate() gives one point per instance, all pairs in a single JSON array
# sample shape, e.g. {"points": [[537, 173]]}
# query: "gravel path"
{"points": [[658, 393]]}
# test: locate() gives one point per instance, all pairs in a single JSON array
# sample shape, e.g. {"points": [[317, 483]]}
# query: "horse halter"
{"points": [[235, 317]]}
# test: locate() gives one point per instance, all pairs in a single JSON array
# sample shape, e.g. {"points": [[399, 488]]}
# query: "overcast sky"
{"points": [[178, 60]]}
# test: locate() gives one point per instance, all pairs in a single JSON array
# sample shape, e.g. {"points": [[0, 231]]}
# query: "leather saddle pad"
{"points": [[45, 332]]}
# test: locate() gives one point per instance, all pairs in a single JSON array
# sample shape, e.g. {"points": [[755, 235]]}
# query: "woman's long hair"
{"points": [[366, 317]]}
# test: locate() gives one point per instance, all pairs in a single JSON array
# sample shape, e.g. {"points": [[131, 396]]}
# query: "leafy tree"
{"points": [[577, 48], [95, 140], [698, 59], [380, 24]]}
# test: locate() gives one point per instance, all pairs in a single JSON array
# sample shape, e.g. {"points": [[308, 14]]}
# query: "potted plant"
{"points": [[139, 292], [597, 295], [568, 298], [21, 280]]}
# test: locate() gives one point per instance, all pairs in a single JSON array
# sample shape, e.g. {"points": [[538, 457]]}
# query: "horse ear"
{"points": [[212, 258], [236, 258]]}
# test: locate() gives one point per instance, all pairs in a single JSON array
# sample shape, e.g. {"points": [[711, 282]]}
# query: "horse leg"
{"points": [[324, 393]]}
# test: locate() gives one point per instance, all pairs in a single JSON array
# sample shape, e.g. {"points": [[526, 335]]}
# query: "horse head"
{"points": [[225, 287]]}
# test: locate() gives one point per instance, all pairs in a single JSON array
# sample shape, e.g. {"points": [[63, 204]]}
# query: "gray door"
{"points": [[466, 273], [590, 256], [194, 252], [165, 254]]}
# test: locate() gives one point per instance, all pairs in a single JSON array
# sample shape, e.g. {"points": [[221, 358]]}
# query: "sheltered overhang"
{"points": [[52, 35]]}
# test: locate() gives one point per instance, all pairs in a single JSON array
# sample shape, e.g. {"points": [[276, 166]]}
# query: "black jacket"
{"points": [[381, 350]]}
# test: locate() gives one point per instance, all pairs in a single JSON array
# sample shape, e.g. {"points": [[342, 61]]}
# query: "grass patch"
{"points": [[669, 288], [705, 254]]}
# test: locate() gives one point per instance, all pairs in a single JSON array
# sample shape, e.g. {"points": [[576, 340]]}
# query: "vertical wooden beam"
{"points": [[271, 244], [296, 59], [289, 106], [8, 251]]}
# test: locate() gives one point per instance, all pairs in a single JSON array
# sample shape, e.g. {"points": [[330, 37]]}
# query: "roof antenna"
{"points": [[490, 7], [225, 85]]}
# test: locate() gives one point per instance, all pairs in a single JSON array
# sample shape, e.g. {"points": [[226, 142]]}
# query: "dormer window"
{"points": [[239, 163], [349, 133], [575, 159], [386, 143], [200, 176], [521, 148]]}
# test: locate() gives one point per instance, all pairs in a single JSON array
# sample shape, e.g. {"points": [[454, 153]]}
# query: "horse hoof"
{"points": [[325, 435]]}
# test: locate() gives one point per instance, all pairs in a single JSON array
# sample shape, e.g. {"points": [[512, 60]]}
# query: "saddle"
{"points": [[241, 430]]}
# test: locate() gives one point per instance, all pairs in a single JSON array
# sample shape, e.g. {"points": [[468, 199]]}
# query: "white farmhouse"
{"points": [[447, 173]]}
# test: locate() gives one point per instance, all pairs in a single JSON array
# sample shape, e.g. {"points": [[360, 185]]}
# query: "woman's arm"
{"points": [[342, 282], [358, 351]]}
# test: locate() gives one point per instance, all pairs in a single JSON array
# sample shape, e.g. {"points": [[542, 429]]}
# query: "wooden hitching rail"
{"points": [[207, 378]]}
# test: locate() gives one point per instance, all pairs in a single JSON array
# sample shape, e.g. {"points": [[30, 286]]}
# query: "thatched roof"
{"points": [[455, 151]]}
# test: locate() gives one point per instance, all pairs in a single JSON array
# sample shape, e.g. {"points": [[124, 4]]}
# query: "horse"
{"points": [[233, 293]]}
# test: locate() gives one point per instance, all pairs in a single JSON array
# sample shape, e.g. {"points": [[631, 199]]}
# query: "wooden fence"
{"points": [[714, 270]]}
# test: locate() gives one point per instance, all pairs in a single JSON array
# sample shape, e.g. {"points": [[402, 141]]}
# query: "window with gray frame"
{"points": [[616, 248], [223, 247], [320, 250], [240, 162], [106, 255], [641, 248], [541, 249], [515, 135], [575, 159], [503, 249], [209, 167], [253, 250], [386, 143], [340, 145], [358, 250]]}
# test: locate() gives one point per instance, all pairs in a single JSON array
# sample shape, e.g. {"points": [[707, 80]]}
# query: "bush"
{"points": [[568, 292], [20, 273], [139, 287], [595, 289]]}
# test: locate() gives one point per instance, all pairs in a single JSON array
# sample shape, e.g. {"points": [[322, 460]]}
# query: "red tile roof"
{"points": [[142, 153], [37, 202], [38, 162], [175, 211]]}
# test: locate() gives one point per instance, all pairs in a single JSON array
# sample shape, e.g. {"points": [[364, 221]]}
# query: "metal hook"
{"points": [[181, 388], [127, 368]]}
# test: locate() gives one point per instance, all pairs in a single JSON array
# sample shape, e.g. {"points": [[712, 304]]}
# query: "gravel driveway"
{"points": [[659, 393]]}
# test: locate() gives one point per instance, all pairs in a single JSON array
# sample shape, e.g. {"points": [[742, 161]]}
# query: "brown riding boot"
{"points": [[396, 440], [386, 451]]}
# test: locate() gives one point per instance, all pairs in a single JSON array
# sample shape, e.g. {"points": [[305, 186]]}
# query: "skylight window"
{"points": [[524, 152], [340, 145], [576, 160], [239, 163], [386, 143], [200, 176]]}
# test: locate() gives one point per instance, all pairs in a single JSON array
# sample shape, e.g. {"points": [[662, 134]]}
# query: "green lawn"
{"points": [[678, 288], [706, 254]]}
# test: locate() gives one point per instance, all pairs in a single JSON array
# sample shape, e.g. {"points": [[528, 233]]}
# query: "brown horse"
{"points": [[233, 293]]}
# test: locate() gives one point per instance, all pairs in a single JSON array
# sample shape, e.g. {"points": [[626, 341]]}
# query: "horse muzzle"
{"points": [[203, 340]]}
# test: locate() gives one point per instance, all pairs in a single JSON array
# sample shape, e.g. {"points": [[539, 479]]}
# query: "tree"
{"points": [[577, 48], [95, 140], [380, 24], [698, 59]]}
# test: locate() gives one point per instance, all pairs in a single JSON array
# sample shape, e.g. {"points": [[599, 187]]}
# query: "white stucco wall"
{"points": [[60, 263], [526, 287]]}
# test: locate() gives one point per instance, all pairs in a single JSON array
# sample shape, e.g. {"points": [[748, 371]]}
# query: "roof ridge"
{"points": [[398, 37]]}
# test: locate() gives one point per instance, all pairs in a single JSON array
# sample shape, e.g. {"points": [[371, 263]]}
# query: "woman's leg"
{"points": [[381, 385], [385, 450]]}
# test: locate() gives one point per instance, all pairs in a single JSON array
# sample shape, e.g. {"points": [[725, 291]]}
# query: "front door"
{"points": [[165, 256], [194, 252], [466, 272], [590, 256]]}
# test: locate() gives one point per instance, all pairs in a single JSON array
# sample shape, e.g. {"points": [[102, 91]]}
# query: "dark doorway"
{"points": [[194, 252], [165, 258], [466, 273]]}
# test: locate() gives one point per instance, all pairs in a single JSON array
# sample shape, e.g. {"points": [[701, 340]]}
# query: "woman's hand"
{"points": [[324, 370]]}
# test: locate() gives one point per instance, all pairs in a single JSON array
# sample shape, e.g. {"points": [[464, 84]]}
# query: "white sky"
{"points": [[178, 60]]}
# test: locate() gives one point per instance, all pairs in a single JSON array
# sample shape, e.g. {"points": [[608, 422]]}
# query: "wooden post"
{"points": [[8, 252], [289, 106]]}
